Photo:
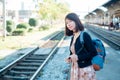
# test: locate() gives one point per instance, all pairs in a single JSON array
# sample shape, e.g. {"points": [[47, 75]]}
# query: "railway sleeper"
{"points": [[29, 64], [30, 61], [9, 77], [19, 73], [13, 72], [39, 55], [36, 58], [22, 68]]}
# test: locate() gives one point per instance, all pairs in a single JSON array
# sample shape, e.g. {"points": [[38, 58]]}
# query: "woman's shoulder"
{"points": [[85, 33]]}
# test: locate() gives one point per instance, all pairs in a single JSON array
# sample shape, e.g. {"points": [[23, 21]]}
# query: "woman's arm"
{"points": [[89, 48]]}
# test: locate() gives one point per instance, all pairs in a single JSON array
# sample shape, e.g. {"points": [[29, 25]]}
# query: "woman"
{"points": [[81, 66]]}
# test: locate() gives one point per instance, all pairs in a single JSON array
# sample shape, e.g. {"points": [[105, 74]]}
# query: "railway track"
{"points": [[29, 65], [113, 39]]}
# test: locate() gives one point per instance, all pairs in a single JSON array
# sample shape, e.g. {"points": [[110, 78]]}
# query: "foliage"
{"points": [[52, 10], [33, 22], [44, 27], [9, 22], [23, 25], [18, 32], [30, 29], [9, 26]]}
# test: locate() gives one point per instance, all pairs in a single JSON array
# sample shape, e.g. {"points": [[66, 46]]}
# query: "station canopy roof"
{"points": [[109, 3]]}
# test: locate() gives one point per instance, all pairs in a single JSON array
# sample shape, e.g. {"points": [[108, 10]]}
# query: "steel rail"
{"points": [[111, 37], [8, 67], [47, 59]]}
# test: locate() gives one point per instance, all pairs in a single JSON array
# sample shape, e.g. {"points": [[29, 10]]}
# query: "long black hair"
{"points": [[74, 17]]}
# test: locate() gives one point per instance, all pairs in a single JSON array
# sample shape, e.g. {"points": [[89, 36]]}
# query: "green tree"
{"points": [[51, 10], [22, 26], [33, 22], [9, 26]]}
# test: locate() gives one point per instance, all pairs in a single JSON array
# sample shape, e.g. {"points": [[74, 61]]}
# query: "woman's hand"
{"points": [[74, 57], [68, 60]]}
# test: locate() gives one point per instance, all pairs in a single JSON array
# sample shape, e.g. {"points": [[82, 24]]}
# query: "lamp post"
{"points": [[4, 18]]}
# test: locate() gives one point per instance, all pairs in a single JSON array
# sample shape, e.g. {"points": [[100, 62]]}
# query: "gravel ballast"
{"points": [[57, 68]]}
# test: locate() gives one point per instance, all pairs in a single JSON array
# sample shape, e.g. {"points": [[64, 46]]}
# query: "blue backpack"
{"points": [[98, 60]]}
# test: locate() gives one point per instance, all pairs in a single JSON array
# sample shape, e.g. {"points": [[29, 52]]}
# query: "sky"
{"points": [[81, 7], [16, 4]]}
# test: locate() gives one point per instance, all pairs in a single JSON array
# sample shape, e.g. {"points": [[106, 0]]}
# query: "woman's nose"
{"points": [[68, 24]]}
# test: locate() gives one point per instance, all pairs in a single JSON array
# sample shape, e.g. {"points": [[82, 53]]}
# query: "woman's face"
{"points": [[70, 25]]}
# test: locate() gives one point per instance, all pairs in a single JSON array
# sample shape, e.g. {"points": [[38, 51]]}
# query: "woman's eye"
{"points": [[69, 22]]}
